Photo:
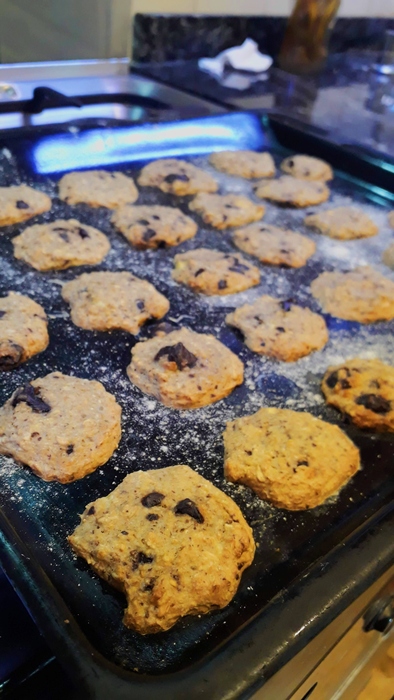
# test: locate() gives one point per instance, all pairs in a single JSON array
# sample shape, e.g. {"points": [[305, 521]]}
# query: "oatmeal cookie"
{"points": [[153, 226], [176, 177], [273, 245], [226, 210], [23, 330], [21, 202], [98, 188], [247, 164], [343, 223], [292, 192], [307, 168], [212, 272]]}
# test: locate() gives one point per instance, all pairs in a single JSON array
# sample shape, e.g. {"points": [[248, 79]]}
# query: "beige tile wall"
{"points": [[349, 8]]}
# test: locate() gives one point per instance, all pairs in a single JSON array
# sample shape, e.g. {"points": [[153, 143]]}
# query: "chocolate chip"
{"points": [[238, 267], [64, 237], [154, 216], [124, 532], [174, 176], [306, 172], [140, 558], [230, 206], [2, 313], [333, 378], [280, 329], [152, 499], [150, 585], [345, 384], [199, 272], [285, 252], [285, 305], [20, 204], [148, 234], [374, 403], [70, 449], [58, 229], [188, 507], [83, 233], [91, 510], [178, 354], [143, 222], [290, 163], [222, 284], [248, 452], [152, 516], [303, 463], [375, 384], [140, 304], [30, 395]]}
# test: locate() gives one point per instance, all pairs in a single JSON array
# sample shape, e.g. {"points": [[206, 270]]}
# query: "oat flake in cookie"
{"points": [[21, 202], [185, 369], [293, 460], [23, 330], [105, 301], [363, 390], [273, 245], [61, 427], [307, 168], [291, 192], [172, 542], [343, 223], [226, 210], [98, 188], [153, 226], [60, 244], [362, 295], [279, 329], [212, 272], [247, 164], [176, 177]]}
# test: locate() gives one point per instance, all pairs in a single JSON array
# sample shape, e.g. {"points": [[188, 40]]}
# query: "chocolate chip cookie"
{"points": [[362, 295], [60, 244], [291, 459], [273, 245], [176, 177], [104, 301], [364, 391], [23, 330], [153, 226], [279, 329], [170, 541], [61, 427], [185, 369], [98, 188], [307, 168], [343, 223], [212, 272], [247, 164], [21, 202], [226, 210], [291, 192]]}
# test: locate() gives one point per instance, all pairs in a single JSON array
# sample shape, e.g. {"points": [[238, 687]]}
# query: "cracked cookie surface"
{"points": [[146, 226], [98, 188], [23, 330], [273, 245], [212, 272], [226, 210]]}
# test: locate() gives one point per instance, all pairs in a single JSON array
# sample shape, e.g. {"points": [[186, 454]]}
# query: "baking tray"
{"points": [[227, 653]]}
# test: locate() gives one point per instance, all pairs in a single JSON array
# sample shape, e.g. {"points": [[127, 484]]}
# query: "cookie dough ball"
{"points": [[273, 245], [211, 272], [291, 459], [291, 192], [363, 390], [279, 329], [362, 295], [248, 164], [185, 369], [154, 226], [226, 210], [307, 168], [344, 223], [388, 256], [23, 330], [21, 202], [60, 244], [170, 541], [104, 301], [176, 177], [98, 188], [61, 427]]}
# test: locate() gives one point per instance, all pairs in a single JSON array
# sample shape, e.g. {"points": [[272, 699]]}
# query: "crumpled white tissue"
{"points": [[246, 57]]}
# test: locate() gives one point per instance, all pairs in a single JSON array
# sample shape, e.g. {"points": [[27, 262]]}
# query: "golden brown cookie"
{"points": [[21, 202], [185, 369], [362, 295], [60, 244], [291, 192], [170, 541], [364, 391], [23, 330], [344, 223], [226, 210], [153, 226], [248, 164], [273, 245], [307, 168], [291, 459], [61, 427], [176, 177], [212, 272], [279, 329], [104, 301], [98, 188]]}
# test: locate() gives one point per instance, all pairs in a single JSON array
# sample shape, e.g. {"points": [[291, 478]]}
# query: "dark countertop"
{"points": [[349, 100]]}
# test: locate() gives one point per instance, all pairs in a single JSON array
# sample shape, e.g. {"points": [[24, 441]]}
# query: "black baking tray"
{"points": [[309, 565]]}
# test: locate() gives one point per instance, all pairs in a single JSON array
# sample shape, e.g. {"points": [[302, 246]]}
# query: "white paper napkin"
{"points": [[246, 57]]}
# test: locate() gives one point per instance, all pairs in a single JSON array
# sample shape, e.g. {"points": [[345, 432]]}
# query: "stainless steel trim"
{"points": [[56, 70]]}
